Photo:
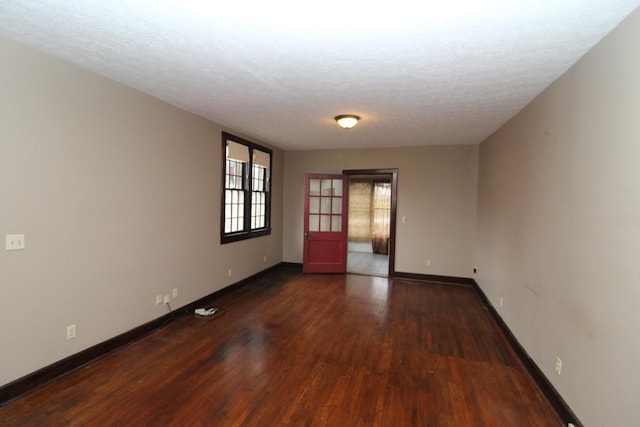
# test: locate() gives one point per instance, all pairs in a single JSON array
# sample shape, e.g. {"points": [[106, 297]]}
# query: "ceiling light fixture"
{"points": [[347, 121]]}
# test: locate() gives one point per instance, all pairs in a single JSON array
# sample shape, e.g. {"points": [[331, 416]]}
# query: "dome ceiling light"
{"points": [[347, 121]]}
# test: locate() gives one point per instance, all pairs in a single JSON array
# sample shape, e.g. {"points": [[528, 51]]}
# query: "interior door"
{"points": [[325, 224]]}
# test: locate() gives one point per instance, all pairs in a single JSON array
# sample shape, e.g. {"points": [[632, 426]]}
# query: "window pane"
{"points": [[258, 209], [314, 187], [336, 223], [336, 206], [326, 187], [314, 221], [325, 205], [234, 174], [337, 187], [325, 223], [259, 175], [314, 205], [233, 211]]}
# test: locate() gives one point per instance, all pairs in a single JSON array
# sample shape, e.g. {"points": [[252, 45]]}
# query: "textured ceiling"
{"points": [[417, 72]]}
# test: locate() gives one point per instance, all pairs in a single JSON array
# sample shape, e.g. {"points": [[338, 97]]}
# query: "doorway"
{"points": [[371, 221]]}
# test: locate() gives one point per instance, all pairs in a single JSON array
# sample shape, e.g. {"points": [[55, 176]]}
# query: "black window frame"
{"points": [[248, 182]]}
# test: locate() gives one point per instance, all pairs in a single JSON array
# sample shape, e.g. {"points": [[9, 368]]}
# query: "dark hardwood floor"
{"points": [[306, 350]]}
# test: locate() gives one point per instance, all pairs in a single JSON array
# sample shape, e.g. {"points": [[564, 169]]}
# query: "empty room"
{"points": [[345, 214]]}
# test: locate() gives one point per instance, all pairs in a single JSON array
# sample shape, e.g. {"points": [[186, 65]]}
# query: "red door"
{"points": [[325, 224]]}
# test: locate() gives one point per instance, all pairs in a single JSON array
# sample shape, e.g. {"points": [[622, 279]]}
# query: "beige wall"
{"points": [[119, 197], [436, 193], [559, 229]]}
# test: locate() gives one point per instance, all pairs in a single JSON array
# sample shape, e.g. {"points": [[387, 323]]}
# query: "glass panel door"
{"points": [[325, 234]]}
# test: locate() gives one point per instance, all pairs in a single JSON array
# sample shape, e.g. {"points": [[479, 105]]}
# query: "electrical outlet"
{"points": [[265, 258], [501, 301], [71, 331], [167, 299], [428, 263], [175, 292], [14, 242], [558, 366], [230, 272], [158, 299]]}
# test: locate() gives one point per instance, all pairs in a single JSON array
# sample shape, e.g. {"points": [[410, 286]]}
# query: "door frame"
{"points": [[394, 203]]}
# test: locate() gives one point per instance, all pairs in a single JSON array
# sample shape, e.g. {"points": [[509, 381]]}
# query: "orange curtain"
{"points": [[381, 217]]}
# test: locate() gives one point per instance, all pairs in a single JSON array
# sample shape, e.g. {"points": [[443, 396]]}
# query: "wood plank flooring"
{"points": [[306, 350]]}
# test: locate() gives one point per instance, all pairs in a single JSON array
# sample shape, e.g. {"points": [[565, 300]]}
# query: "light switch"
{"points": [[14, 242]]}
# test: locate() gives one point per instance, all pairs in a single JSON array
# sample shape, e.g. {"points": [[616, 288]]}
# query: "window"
{"points": [[246, 196]]}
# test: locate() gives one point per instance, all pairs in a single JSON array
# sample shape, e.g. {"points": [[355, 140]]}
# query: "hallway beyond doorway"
{"points": [[361, 261]]}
